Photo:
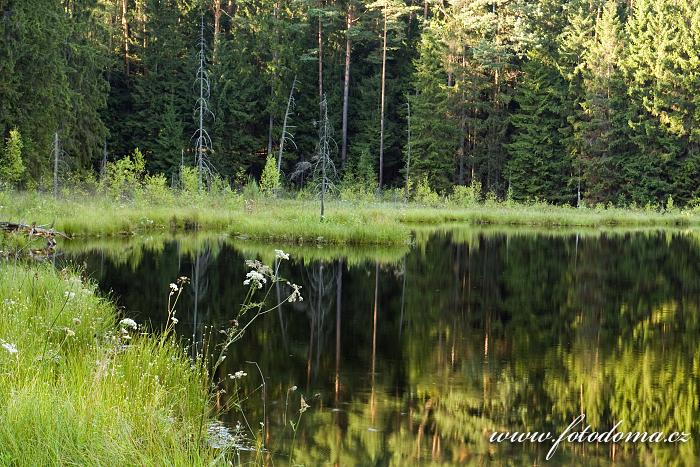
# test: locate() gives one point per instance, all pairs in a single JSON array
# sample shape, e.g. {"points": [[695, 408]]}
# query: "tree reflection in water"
{"points": [[415, 357]]}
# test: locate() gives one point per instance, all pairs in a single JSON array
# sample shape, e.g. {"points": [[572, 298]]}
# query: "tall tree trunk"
{"points": [[269, 134], [338, 310], [125, 35], [382, 98], [56, 153], [320, 57], [408, 148], [103, 165], [284, 136], [217, 29], [346, 91]]}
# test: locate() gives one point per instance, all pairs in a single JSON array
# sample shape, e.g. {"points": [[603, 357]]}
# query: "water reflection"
{"points": [[415, 357]]}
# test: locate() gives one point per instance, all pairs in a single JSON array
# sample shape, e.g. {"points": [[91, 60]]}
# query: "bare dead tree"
{"points": [[324, 171], [408, 146], [382, 101], [202, 139], [286, 133], [103, 163], [57, 154]]}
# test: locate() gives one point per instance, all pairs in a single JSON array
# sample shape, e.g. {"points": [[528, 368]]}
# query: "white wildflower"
{"points": [[255, 279], [174, 320], [128, 323], [9, 347], [77, 321], [69, 332], [69, 295], [279, 254], [174, 287], [304, 405], [296, 294]]}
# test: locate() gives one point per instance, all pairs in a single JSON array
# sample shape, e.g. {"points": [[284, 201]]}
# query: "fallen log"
{"points": [[33, 231]]}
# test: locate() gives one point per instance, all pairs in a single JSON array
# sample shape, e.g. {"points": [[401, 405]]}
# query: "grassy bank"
{"points": [[79, 392], [297, 221]]}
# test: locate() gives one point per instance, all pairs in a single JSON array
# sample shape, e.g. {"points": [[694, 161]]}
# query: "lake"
{"points": [[414, 355]]}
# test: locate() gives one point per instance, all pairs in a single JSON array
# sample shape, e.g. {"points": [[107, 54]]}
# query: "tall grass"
{"points": [[298, 221], [78, 390]]}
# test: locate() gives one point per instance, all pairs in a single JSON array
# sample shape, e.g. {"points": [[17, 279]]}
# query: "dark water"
{"points": [[414, 356]]}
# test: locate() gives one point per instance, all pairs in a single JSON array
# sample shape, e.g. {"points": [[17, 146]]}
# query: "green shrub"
{"points": [[669, 203], [123, 177], [219, 186], [270, 179], [424, 194], [156, 189], [356, 191], [189, 180], [466, 195], [251, 190], [11, 165]]}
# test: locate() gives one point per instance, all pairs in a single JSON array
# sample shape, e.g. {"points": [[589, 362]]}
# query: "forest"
{"points": [[564, 101]]}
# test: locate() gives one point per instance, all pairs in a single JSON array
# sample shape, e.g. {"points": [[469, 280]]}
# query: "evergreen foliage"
{"points": [[592, 100]]}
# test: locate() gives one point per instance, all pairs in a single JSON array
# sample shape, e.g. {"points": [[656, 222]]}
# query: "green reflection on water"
{"points": [[432, 348]]}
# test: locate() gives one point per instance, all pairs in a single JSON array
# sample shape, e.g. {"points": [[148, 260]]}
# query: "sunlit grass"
{"points": [[78, 392], [298, 221]]}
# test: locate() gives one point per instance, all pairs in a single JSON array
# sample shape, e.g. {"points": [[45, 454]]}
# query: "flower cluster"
{"points": [[279, 254], [296, 294], [128, 323], [178, 285], [255, 279], [263, 269]]}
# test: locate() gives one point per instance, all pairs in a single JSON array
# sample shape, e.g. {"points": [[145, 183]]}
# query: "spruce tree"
{"points": [[538, 166], [602, 120], [651, 36], [11, 165], [434, 132]]}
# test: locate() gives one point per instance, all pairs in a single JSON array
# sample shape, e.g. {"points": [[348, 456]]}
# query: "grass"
{"points": [[297, 221], [77, 392]]}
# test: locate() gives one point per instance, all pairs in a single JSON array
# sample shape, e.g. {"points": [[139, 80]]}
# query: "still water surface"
{"points": [[415, 355]]}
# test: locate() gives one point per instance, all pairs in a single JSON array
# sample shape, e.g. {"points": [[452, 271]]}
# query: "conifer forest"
{"points": [[564, 101]]}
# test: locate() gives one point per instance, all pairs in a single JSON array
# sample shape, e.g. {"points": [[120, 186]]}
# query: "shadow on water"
{"points": [[414, 356]]}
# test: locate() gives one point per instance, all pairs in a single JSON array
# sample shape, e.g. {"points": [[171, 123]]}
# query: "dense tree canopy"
{"points": [[558, 100]]}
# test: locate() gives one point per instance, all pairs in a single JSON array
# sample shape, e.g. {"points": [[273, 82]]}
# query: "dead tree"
{"points": [[286, 133], [202, 139], [408, 146], [324, 171], [56, 155]]}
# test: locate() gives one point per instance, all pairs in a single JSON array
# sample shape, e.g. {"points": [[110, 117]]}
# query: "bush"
{"points": [[219, 186], [123, 177], [424, 194], [189, 180], [251, 190], [356, 190], [11, 166], [466, 195], [156, 189], [270, 179]]}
